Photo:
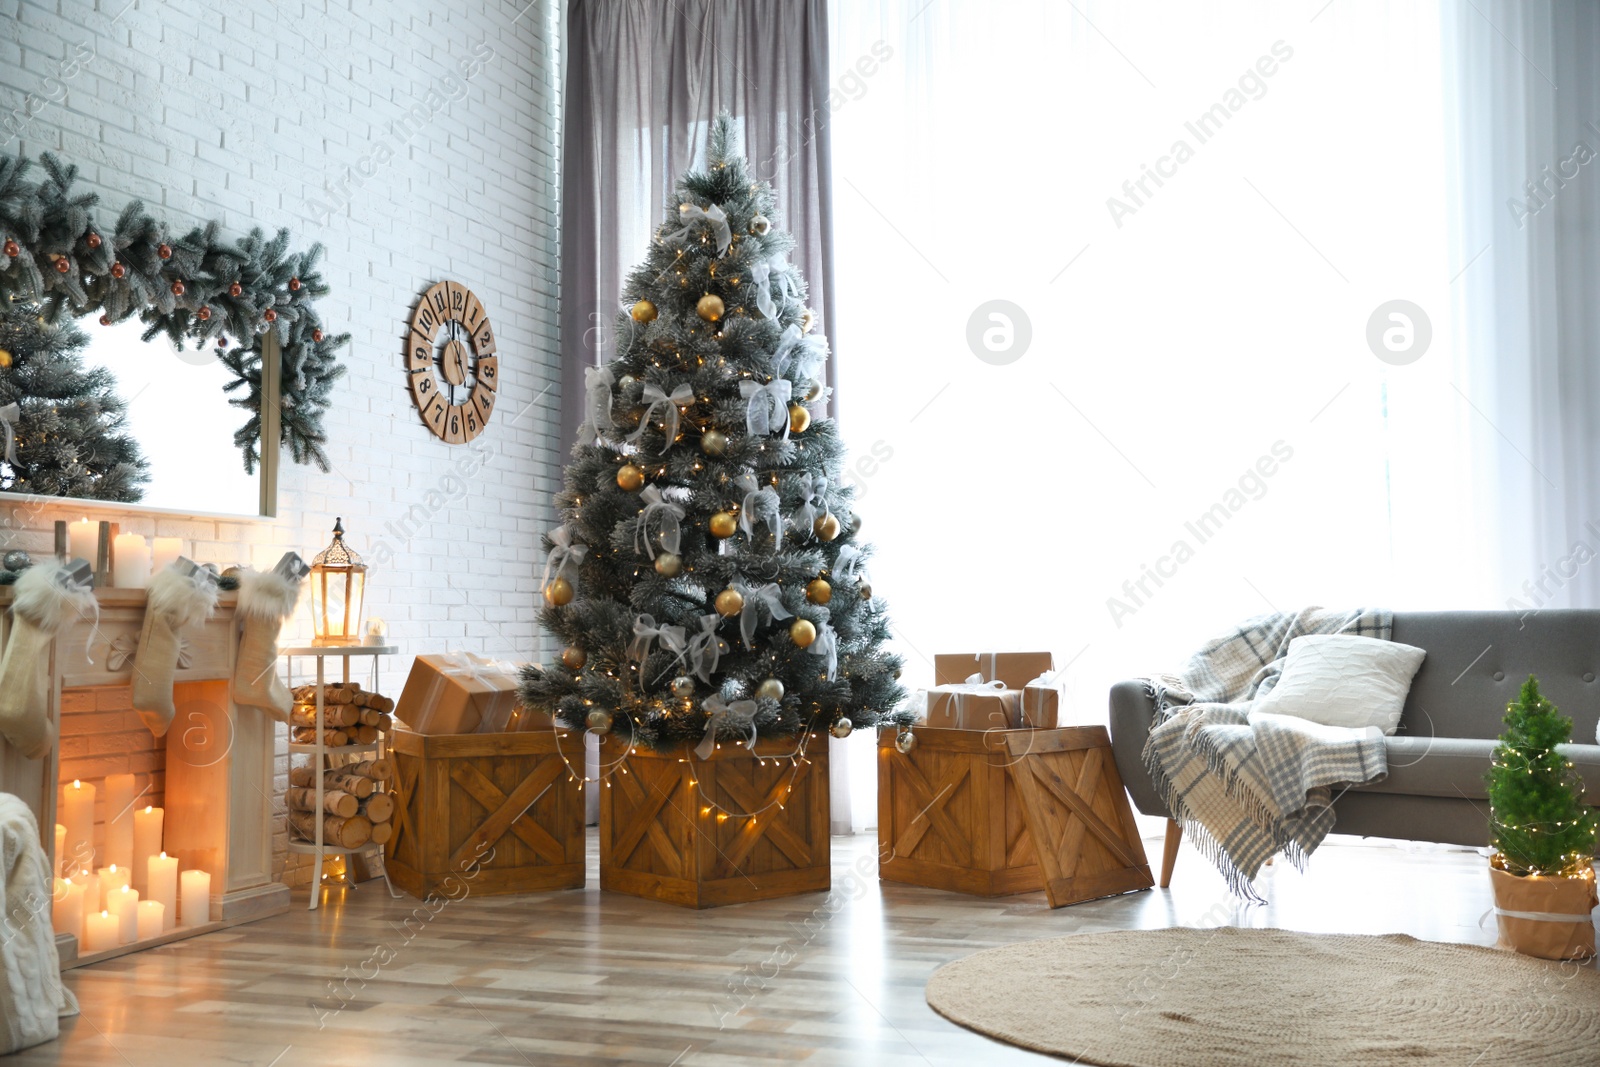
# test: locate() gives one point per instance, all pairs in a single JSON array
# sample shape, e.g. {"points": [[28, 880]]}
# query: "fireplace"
{"points": [[211, 773]]}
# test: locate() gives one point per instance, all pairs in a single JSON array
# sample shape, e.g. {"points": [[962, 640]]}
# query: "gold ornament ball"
{"points": [[819, 591], [723, 524], [558, 592], [905, 741], [802, 633], [643, 311], [714, 442], [799, 418], [729, 603], [808, 319], [669, 564], [5, 358], [813, 392], [630, 478], [710, 307], [842, 728], [626, 382], [866, 592], [599, 721], [574, 657], [771, 689], [897, 674], [683, 686], [826, 527]]}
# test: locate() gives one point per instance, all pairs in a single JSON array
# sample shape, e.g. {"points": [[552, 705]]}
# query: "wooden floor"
{"points": [[582, 977]]}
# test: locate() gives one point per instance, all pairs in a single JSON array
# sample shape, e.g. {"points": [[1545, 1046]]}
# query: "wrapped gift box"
{"points": [[461, 693], [1041, 702], [984, 690]]}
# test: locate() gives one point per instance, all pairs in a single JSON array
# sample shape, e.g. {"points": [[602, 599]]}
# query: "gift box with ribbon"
{"points": [[1042, 699], [461, 693], [983, 690]]}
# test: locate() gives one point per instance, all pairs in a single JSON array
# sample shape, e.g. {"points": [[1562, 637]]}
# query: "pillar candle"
{"points": [[119, 819], [130, 562], [91, 895], [162, 880], [152, 919], [147, 838], [113, 878], [62, 866], [101, 932], [195, 887], [166, 550], [66, 908], [124, 904], [83, 541], [77, 814]]}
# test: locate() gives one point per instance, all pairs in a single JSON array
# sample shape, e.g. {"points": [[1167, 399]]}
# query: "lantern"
{"points": [[338, 582]]}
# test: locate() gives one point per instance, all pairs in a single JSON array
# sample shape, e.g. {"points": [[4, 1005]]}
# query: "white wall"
{"points": [[431, 131]]}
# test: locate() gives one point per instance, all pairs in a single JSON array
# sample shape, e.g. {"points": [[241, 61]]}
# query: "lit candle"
{"points": [[162, 880], [166, 550], [113, 878], [61, 849], [83, 541], [77, 814], [147, 830], [195, 887], [102, 932], [119, 819], [130, 562], [91, 894], [124, 904], [66, 908], [152, 919]]}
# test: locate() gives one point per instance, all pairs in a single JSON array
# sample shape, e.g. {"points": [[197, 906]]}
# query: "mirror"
{"points": [[103, 414]]}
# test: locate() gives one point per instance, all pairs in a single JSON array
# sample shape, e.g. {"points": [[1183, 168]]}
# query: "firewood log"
{"points": [[334, 802], [307, 735], [346, 833], [382, 832], [333, 715], [379, 807], [364, 735], [356, 785], [379, 770]]}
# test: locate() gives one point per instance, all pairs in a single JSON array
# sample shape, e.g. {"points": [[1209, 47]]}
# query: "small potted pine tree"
{"points": [[1543, 835]]}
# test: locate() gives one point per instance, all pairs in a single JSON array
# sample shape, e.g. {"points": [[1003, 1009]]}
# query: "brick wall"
{"points": [[417, 142]]}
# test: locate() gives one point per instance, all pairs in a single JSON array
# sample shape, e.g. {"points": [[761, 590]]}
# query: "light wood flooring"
{"points": [[587, 978]]}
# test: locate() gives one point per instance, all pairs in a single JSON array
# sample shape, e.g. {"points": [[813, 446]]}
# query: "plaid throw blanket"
{"points": [[1245, 789]]}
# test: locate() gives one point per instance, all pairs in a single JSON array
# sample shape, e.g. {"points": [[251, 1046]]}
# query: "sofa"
{"points": [[1476, 663]]}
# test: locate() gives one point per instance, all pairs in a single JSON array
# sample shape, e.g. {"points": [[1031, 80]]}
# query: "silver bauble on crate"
{"points": [[683, 686], [842, 728], [17, 560], [905, 741]]}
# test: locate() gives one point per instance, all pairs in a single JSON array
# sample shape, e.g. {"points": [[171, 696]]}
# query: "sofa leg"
{"points": [[1169, 854]]}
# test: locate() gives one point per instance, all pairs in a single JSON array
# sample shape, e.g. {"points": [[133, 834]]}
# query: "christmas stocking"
{"points": [[265, 602], [48, 597], [179, 597]]}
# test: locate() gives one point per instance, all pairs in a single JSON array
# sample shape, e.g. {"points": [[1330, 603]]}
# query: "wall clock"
{"points": [[451, 362]]}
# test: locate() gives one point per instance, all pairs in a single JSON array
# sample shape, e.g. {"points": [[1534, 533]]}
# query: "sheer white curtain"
{"points": [[1202, 211]]}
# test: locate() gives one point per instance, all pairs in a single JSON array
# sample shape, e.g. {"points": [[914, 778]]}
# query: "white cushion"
{"points": [[1344, 680]]}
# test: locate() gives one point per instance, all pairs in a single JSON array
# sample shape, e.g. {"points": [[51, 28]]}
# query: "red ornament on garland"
{"points": [[164, 251], [294, 285], [177, 288], [12, 249], [105, 320], [63, 264], [235, 289], [203, 314], [270, 315], [93, 240], [118, 270], [222, 342], [316, 335]]}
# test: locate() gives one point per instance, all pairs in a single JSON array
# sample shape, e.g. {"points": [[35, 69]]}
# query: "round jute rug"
{"points": [[1228, 997]]}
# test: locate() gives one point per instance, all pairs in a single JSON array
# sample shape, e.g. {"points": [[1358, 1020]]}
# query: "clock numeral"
{"points": [[434, 413], [485, 401], [458, 300], [472, 424], [426, 320], [425, 385], [488, 371], [441, 302]]}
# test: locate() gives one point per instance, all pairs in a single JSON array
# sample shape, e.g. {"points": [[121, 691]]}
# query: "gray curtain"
{"points": [[644, 80]]}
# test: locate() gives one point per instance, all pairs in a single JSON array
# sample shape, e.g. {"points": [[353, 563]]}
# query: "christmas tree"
{"points": [[1538, 821], [708, 580], [67, 433]]}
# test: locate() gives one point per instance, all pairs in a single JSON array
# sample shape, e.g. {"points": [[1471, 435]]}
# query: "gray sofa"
{"points": [[1477, 662]]}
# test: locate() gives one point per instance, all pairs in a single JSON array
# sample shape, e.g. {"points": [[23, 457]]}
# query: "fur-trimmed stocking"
{"points": [[266, 600], [47, 599], [180, 596]]}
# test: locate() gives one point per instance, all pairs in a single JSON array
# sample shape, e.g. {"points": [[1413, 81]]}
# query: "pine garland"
{"points": [[193, 288], [1538, 820]]}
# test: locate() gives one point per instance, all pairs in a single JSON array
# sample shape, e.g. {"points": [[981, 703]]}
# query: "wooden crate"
{"points": [[949, 816], [725, 830], [462, 795], [1077, 813]]}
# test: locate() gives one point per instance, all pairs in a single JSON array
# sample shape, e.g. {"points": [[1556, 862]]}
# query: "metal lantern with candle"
{"points": [[338, 583]]}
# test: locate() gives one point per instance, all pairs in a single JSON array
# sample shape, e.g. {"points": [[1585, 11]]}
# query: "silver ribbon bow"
{"points": [[8, 422], [597, 404], [827, 644], [667, 516], [847, 565], [805, 517], [563, 557], [706, 648], [766, 406], [761, 504], [739, 715], [806, 353], [713, 216], [768, 598], [656, 399], [479, 669], [672, 638]]}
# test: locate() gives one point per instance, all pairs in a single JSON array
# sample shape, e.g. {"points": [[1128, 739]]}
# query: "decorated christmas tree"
{"points": [[61, 424], [708, 579], [1538, 820]]}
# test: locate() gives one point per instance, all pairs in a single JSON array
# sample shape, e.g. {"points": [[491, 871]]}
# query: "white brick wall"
{"points": [[265, 118]]}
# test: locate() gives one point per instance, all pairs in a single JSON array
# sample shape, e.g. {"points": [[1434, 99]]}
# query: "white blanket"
{"points": [[32, 998]]}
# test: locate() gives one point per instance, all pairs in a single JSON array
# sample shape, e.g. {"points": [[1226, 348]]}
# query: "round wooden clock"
{"points": [[451, 362]]}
